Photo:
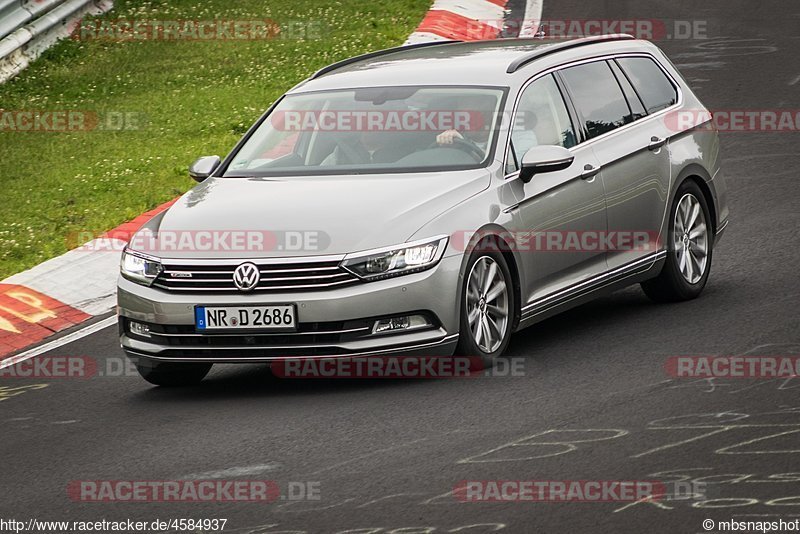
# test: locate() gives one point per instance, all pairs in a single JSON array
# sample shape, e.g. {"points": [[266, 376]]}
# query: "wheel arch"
{"points": [[701, 177], [505, 245]]}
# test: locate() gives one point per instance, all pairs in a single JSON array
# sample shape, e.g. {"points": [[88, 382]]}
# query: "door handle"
{"points": [[589, 172], [656, 143]]}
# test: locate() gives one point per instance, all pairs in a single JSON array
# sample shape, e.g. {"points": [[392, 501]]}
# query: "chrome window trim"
{"points": [[588, 142]]}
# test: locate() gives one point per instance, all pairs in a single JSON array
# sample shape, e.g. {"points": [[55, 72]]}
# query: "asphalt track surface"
{"points": [[386, 453]]}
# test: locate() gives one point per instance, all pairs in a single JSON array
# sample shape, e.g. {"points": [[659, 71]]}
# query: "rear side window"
{"points": [[635, 104], [650, 82], [598, 97]]}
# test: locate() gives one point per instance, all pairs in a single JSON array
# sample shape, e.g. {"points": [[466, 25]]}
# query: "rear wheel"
{"points": [[174, 374], [487, 308], [689, 249]]}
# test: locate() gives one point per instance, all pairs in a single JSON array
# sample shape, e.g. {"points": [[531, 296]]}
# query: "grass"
{"points": [[190, 98]]}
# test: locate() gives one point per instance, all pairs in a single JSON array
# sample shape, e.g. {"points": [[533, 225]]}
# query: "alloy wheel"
{"points": [[690, 239], [487, 304]]}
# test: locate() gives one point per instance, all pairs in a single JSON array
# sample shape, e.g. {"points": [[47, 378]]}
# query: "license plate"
{"points": [[253, 318]]}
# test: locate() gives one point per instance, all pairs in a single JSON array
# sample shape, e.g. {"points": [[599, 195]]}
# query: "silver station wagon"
{"points": [[430, 200]]}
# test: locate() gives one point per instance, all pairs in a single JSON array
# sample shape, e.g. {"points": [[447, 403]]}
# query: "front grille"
{"points": [[275, 277]]}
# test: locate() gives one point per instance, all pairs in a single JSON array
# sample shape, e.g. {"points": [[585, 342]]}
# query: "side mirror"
{"points": [[204, 167], [544, 158]]}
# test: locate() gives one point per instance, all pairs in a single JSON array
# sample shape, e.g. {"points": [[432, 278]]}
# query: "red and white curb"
{"points": [[64, 291], [472, 20], [74, 287]]}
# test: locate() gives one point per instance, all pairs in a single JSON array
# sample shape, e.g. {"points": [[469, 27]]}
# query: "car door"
{"points": [[553, 208], [632, 150]]}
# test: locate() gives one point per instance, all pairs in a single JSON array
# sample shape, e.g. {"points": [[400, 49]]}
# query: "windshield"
{"points": [[374, 130]]}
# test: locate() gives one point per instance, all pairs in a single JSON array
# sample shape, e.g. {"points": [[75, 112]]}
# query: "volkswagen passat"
{"points": [[430, 200]]}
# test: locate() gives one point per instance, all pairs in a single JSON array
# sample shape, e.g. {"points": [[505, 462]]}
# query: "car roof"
{"points": [[487, 63]]}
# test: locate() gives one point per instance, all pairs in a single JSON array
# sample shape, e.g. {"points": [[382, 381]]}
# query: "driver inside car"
{"points": [[480, 110]]}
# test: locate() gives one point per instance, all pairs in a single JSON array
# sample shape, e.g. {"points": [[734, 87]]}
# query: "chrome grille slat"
{"points": [[320, 277], [190, 271], [278, 279], [335, 268], [262, 288], [218, 280], [262, 270], [286, 276]]}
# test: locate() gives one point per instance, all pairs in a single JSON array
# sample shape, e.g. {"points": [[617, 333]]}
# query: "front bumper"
{"points": [[331, 323]]}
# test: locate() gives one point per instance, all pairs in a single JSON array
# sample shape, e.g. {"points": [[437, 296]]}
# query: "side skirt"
{"points": [[582, 292]]}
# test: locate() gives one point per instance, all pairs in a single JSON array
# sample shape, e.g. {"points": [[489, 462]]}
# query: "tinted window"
{"points": [[598, 97], [541, 119], [653, 86], [634, 103], [378, 130]]}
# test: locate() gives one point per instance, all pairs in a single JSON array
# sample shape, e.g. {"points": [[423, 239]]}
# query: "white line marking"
{"points": [[423, 37], [479, 10], [795, 81], [60, 342], [532, 18], [234, 472], [367, 455]]}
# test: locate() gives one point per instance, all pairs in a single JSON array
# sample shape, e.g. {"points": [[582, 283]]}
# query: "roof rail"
{"points": [[377, 53], [574, 43]]}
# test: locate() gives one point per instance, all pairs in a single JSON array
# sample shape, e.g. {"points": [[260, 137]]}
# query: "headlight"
{"points": [[139, 267], [394, 261]]}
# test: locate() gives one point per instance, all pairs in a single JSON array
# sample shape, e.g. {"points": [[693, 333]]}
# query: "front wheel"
{"points": [[689, 249], [174, 374], [487, 308]]}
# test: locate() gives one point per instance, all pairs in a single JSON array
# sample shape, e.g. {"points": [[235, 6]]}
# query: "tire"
{"points": [[174, 374], [486, 313], [685, 271]]}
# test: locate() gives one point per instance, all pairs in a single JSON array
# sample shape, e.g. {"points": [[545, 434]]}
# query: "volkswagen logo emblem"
{"points": [[246, 276]]}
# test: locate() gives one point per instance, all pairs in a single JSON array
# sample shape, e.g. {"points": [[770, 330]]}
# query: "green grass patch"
{"points": [[191, 98]]}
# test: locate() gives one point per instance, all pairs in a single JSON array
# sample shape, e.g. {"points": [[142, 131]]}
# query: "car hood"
{"points": [[339, 214]]}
